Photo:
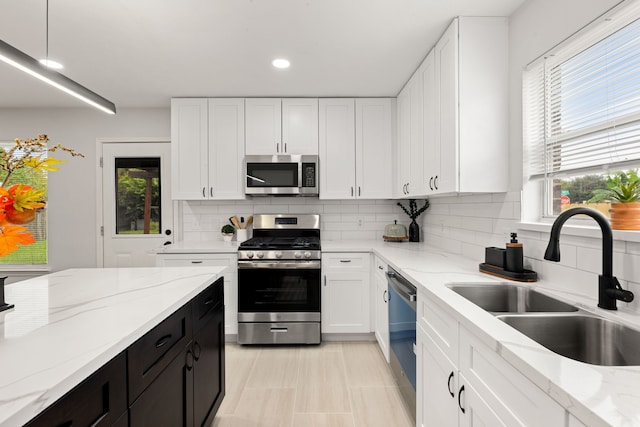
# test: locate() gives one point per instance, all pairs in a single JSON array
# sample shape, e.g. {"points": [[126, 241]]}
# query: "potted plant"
{"points": [[227, 231], [414, 212], [624, 187]]}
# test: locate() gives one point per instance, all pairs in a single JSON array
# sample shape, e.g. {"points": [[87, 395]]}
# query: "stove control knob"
{"points": [[297, 254], [260, 254], [307, 254], [278, 254], [250, 254]]}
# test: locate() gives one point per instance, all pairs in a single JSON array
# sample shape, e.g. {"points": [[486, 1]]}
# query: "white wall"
{"points": [[468, 224], [72, 189]]}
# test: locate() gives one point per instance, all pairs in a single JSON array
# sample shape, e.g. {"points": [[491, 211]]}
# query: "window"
{"points": [[36, 253], [582, 112]]}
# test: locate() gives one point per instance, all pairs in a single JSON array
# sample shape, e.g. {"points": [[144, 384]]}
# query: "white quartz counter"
{"points": [[597, 395], [66, 325]]}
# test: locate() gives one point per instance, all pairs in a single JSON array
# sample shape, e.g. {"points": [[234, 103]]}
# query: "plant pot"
{"points": [[227, 237], [625, 216]]}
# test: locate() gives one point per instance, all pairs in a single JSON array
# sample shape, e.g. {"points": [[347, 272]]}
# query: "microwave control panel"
{"points": [[308, 175]]}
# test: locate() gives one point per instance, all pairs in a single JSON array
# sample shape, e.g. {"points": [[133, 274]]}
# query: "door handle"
{"points": [[460, 398]]}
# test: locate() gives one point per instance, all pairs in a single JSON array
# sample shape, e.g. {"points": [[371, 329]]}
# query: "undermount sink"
{"points": [[585, 338], [510, 299]]}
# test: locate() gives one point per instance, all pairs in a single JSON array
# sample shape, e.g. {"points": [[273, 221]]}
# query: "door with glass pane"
{"points": [[137, 210]]}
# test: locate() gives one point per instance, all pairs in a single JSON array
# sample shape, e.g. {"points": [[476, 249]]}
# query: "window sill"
{"points": [[24, 269], [574, 229]]}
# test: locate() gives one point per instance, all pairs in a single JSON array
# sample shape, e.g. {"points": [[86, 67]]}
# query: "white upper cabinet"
{"points": [[226, 148], [456, 106], [189, 149], [281, 126], [207, 148], [337, 152], [300, 125], [263, 126], [374, 148], [356, 148]]}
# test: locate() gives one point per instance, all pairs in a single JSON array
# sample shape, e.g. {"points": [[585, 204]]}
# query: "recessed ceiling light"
{"points": [[281, 63], [51, 64]]}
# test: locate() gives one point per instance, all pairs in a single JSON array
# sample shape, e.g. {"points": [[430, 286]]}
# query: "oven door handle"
{"points": [[279, 264]]}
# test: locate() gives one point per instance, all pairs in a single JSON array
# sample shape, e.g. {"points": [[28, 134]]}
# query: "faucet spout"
{"points": [[609, 289]]}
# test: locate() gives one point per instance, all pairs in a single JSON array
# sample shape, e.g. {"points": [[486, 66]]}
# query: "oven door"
{"points": [[278, 290]]}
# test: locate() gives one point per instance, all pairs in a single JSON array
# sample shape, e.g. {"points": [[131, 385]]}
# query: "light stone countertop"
{"points": [[68, 324], [596, 395]]}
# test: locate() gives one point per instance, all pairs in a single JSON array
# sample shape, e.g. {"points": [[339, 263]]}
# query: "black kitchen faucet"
{"points": [[609, 289]]}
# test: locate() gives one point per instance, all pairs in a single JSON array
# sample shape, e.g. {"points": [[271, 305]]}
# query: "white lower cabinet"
{"points": [[463, 382], [345, 293], [380, 305], [230, 279]]}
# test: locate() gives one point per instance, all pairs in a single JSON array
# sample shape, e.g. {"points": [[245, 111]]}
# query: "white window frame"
{"points": [[534, 196]]}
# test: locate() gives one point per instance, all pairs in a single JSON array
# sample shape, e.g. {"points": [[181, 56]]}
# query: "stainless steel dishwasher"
{"points": [[402, 335]]}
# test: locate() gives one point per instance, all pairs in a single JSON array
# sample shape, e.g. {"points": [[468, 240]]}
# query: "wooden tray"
{"points": [[395, 239]]}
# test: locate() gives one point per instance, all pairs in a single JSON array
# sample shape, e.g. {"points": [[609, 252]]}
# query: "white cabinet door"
{"points": [[299, 126], [374, 148], [381, 306], [474, 412], [404, 143], [446, 66], [263, 126], [337, 148], [416, 186], [345, 293], [226, 148], [437, 385], [189, 149], [431, 131]]}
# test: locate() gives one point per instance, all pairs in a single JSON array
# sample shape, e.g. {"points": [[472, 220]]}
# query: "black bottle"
{"points": [[514, 261]]}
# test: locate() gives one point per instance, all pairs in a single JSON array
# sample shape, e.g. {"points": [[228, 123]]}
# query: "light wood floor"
{"points": [[335, 384]]}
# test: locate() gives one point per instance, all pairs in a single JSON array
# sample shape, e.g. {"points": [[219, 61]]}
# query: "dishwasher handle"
{"points": [[404, 288]]}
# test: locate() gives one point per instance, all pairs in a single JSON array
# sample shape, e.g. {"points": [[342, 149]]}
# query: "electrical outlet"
{"points": [[360, 221]]}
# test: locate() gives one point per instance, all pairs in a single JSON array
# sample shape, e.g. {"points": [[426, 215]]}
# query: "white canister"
{"points": [[241, 234]]}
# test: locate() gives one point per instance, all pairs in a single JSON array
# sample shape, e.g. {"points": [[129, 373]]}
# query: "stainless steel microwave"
{"points": [[281, 175]]}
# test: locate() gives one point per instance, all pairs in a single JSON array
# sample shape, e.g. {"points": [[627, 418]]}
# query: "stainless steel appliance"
{"points": [[284, 175], [279, 281], [402, 335]]}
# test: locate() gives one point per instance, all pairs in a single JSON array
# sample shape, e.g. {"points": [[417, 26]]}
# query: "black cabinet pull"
{"points": [[197, 350], [435, 182], [204, 191], [384, 296], [345, 260], [209, 301], [431, 183], [189, 360], [449, 384], [460, 398], [163, 341]]}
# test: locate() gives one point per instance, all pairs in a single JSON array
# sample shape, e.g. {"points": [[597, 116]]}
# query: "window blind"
{"points": [[582, 102]]}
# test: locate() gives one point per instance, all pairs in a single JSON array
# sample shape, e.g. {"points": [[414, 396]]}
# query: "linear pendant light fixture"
{"points": [[31, 66]]}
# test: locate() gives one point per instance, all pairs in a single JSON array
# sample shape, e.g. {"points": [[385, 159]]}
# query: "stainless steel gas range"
{"points": [[279, 281]]}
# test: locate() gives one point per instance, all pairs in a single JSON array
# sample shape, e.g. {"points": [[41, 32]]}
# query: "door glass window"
{"points": [[138, 193]]}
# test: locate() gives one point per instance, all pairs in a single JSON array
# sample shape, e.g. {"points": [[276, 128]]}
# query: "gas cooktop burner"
{"points": [[281, 243]]}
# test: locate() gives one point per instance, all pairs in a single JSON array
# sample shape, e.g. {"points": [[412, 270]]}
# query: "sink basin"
{"points": [[584, 338], [510, 299]]}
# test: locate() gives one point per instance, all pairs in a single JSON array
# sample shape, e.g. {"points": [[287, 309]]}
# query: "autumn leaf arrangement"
{"points": [[19, 202]]}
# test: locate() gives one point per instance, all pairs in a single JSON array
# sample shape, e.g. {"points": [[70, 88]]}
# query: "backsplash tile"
{"points": [[340, 219], [467, 224]]}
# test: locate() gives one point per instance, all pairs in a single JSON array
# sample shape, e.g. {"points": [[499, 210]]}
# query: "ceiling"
{"points": [[140, 53]]}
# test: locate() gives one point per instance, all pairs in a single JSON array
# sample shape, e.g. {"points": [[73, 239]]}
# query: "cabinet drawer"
{"points": [[98, 401], [190, 260], [512, 396], [148, 356], [440, 325], [346, 261], [205, 304]]}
